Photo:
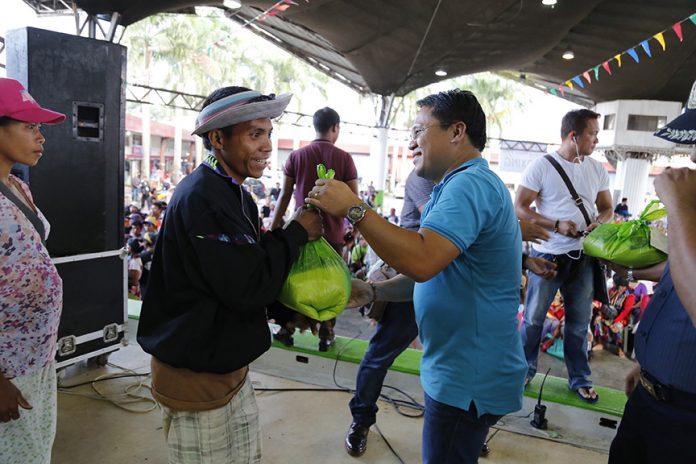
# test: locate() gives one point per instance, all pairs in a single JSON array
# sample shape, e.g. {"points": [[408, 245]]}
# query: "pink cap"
{"points": [[16, 103]]}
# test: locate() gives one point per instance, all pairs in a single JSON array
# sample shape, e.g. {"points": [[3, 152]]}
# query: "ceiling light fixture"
{"points": [[231, 4], [568, 54], [549, 2], [441, 72]]}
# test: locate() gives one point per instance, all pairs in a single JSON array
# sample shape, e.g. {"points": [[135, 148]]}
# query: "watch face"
{"points": [[356, 213]]}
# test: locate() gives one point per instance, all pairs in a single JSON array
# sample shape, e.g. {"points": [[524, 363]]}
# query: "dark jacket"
{"points": [[212, 276]]}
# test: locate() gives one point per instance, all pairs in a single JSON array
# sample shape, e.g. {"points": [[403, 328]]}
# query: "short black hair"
{"points": [[221, 93], [576, 121], [324, 119], [6, 121], [459, 105], [624, 199]]}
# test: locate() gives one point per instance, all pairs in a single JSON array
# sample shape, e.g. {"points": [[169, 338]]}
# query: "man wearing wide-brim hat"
{"points": [[203, 318], [659, 420]]}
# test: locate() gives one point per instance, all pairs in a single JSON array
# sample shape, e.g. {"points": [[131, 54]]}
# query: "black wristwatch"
{"points": [[356, 213]]}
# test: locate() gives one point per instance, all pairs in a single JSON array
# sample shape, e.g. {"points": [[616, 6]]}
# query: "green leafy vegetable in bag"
{"points": [[318, 285], [627, 243]]}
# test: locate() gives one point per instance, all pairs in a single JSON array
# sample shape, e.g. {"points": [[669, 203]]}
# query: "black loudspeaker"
{"points": [[78, 183]]}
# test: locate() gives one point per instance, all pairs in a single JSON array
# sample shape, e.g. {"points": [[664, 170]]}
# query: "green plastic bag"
{"points": [[627, 243], [318, 285]]}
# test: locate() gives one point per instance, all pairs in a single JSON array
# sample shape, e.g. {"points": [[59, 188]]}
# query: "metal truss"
{"points": [[52, 7], [146, 95], [520, 145]]}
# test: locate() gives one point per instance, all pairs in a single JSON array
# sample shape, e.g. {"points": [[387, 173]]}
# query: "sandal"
{"points": [[587, 397]]}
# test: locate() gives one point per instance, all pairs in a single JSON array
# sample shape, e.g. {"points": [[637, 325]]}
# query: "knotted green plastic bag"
{"points": [[627, 243], [318, 285]]}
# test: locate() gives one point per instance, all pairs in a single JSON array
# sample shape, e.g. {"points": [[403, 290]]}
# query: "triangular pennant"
{"points": [[618, 58], [553, 92], [560, 88], [605, 65], [677, 30], [646, 47], [661, 38], [693, 18], [633, 54], [596, 72], [578, 81], [587, 77], [569, 84]]}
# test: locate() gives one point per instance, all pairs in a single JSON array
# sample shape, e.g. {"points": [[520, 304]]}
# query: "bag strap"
{"points": [[30, 215], [571, 189]]}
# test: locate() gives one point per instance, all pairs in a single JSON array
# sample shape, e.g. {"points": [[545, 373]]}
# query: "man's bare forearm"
{"points": [[682, 258], [399, 288]]}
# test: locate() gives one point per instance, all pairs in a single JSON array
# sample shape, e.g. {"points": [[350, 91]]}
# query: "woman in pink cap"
{"points": [[31, 291]]}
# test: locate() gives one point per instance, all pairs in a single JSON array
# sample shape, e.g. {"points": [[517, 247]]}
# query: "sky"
{"points": [[539, 120]]}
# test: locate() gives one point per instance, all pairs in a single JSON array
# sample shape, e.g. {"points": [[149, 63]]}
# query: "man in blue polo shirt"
{"points": [[466, 258], [659, 420]]}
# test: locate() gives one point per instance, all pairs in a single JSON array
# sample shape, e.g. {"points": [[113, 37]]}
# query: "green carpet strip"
{"points": [[556, 390]]}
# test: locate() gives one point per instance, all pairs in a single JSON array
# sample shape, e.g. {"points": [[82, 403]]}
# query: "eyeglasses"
{"points": [[418, 131]]}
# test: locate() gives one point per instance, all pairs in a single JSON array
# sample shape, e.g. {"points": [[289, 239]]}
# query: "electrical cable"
{"points": [[130, 395]]}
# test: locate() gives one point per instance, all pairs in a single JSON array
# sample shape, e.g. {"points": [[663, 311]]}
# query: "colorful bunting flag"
{"points": [[634, 54], [677, 30], [605, 65], [645, 44], [661, 38], [646, 47]]}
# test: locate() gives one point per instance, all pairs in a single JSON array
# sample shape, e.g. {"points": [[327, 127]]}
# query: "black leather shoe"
{"points": [[356, 439], [485, 451]]}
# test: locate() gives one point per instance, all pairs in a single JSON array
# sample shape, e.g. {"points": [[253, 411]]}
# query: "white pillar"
{"points": [[146, 141], [176, 164], [199, 151], [633, 183], [275, 159], [378, 156]]}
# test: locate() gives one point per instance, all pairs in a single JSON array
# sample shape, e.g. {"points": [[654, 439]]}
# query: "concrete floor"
{"points": [[297, 427]]}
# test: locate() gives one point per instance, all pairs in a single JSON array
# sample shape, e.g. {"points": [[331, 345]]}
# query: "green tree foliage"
{"points": [[499, 98], [195, 54]]}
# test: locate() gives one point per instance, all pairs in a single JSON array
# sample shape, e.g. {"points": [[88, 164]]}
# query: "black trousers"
{"points": [[653, 431]]}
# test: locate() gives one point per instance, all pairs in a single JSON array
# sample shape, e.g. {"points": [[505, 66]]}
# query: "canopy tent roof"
{"points": [[395, 46]]}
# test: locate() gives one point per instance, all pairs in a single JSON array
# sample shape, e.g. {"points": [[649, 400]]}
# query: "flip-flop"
{"points": [[587, 399]]}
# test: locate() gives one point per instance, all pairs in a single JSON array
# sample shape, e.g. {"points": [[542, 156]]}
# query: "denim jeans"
{"points": [[452, 435], [395, 331], [574, 279]]}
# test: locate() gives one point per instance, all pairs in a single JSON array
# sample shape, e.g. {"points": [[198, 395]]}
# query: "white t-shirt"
{"points": [[554, 200]]}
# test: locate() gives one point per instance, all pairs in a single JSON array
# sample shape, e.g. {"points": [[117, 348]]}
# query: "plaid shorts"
{"points": [[29, 439], [227, 435]]}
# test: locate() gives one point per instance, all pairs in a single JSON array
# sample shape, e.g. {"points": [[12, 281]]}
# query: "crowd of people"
{"points": [[456, 261]]}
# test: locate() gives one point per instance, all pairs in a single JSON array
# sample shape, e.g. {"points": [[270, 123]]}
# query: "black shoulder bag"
{"points": [[31, 215], [598, 280]]}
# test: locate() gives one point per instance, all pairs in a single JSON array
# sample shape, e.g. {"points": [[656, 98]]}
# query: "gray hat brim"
{"points": [[257, 110]]}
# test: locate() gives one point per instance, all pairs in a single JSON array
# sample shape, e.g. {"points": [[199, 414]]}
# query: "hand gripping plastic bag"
{"points": [[318, 284], [627, 243]]}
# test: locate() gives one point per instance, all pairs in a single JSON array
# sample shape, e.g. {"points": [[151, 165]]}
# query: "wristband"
{"points": [[555, 226], [374, 291]]}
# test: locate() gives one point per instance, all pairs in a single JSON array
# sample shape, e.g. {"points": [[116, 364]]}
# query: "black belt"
{"points": [[662, 392]]}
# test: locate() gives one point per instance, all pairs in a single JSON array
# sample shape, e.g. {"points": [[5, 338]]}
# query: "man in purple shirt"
{"points": [[300, 174]]}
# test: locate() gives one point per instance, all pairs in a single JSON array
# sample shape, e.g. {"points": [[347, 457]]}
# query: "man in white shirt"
{"points": [[557, 211]]}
